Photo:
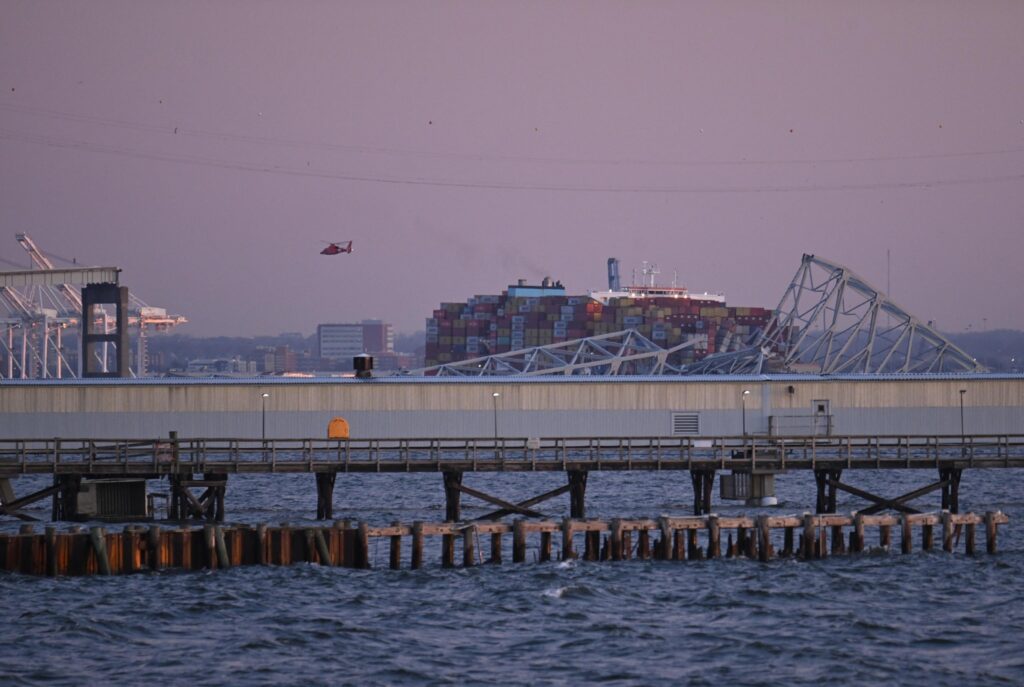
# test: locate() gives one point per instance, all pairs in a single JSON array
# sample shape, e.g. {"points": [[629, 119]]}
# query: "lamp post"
{"points": [[263, 416], [743, 397], [495, 396], [963, 446]]}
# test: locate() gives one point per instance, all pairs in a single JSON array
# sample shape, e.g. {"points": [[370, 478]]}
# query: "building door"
{"points": [[821, 422]]}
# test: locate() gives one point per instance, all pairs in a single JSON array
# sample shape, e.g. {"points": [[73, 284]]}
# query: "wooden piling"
{"points": [[395, 549], [667, 549], [615, 539], [764, 543], [885, 536], [131, 551], [906, 539], [495, 558], [545, 546], [51, 551], [216, 547], [322, 549], [154, 548], [809, 541], [990, 532], [787, 542], [714, 537], [262, 548], [519, 541], [222, 550], [679, 545], [468, 546], [644, 545], [838, 542], [927, 537], [567, 532], [591, 545], [947, 531], [693, 550], [362, 559], [210, 547], [99, 546], [416, 561]]}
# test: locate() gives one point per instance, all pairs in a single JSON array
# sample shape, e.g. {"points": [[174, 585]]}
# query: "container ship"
{"points": [[526, 316]]}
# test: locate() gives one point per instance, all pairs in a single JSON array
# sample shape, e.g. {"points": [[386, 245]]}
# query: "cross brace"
{"points": [[882, 503]]}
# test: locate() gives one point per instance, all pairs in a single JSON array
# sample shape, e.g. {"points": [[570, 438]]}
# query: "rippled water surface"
{"points": [[926, 618]]}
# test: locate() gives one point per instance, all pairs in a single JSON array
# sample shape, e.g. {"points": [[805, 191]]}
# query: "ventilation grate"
{"points": [[685, 423]]}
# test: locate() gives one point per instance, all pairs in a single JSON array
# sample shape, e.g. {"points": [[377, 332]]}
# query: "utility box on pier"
{"points": [[757, 489], [112, 499]]}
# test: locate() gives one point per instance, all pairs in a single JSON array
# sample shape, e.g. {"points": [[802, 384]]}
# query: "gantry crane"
{"points": [[42, 312]]}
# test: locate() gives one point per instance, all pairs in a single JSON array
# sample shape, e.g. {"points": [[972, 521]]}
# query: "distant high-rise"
{"points": [[340, 342]]}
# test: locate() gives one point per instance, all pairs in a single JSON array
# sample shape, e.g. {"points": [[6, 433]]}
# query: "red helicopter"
{"points": [[337, 247]]}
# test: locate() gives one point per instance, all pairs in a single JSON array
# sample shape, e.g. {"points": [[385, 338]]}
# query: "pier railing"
{"points": [[744, 453]]}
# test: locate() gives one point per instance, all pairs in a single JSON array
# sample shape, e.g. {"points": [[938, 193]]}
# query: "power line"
{"points": [[321, 145], [84, 146]]}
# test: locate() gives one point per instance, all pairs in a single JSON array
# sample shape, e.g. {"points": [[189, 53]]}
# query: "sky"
{"points": [[209, 149]]}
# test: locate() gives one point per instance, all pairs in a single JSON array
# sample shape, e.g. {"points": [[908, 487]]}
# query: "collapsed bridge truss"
{"points": [[829, 321]]}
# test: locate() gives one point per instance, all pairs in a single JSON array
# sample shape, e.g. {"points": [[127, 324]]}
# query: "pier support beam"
{"points": [[577, 491], [325, 495], [208, 506], [950, 478], [828, 481], [452, 496], [65, 499], [703, 484]]}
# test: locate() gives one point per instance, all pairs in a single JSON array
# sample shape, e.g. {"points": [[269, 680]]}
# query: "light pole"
{"points": [[495, 396], [963, 446], [743, 397], [263, 415]]}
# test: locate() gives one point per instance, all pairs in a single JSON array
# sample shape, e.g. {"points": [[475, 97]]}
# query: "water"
{"points": [[922, 619]]}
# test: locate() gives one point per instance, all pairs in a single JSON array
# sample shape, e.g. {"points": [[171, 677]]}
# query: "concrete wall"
{"points": [[525, 407]]}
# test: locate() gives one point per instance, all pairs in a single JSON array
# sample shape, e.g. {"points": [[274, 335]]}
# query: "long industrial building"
{"points": [[563, 406]]}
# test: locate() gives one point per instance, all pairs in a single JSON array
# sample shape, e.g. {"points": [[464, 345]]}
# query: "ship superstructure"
{"points": [[526, 315]]}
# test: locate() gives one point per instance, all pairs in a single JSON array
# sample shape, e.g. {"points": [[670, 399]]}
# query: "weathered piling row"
{"points": [[98, 552]]}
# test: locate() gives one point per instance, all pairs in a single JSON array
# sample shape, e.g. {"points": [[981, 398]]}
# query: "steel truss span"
{"points": [[833, 321], [617, 353]]}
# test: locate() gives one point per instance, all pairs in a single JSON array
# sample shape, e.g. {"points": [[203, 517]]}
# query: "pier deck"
{"points": [[165, 456], [183, 461]]}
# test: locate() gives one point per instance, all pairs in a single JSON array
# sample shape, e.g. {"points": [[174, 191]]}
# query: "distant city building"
{"points": [[285, 359], [341, 342], [220, 366]]}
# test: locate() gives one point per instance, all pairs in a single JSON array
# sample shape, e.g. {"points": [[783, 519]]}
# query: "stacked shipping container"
{"points": [[490, 324]]}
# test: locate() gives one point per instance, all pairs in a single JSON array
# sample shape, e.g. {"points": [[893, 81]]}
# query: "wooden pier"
{"points": [[205, 464], [136, 549]]}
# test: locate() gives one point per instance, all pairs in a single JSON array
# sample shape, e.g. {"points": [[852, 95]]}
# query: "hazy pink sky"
{"points": [[462, 145]]}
